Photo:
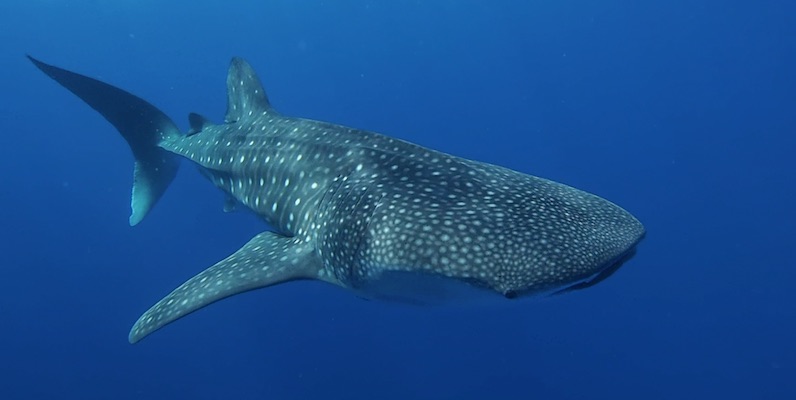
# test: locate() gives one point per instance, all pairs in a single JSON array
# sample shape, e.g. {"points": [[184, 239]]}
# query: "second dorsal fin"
{"points": [[197, 123]]}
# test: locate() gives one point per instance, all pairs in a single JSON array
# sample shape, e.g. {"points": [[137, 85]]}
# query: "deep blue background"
{"points": [[681, 111]]}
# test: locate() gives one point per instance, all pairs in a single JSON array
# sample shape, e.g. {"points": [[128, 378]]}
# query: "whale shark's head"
{"points": [[486, 226], [567, 239]]}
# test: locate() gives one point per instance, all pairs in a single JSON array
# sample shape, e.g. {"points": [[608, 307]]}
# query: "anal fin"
{"points": [[268, 259], [230, 204]]}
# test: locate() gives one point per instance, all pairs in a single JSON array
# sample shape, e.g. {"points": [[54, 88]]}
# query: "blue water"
{"points": [[683, 112]]}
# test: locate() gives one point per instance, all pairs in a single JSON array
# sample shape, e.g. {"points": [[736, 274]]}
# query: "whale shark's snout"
{"points": [[633, 236], [584, 241]]}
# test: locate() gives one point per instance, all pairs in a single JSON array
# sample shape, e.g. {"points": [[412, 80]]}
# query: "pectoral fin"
{"points": [[268, 259]]}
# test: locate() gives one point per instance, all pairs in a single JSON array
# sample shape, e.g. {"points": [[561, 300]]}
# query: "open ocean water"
{"points": [[683, 112]]}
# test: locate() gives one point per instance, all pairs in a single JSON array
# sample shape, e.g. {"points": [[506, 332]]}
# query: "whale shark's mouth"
{"points": [[428, 289], [421, 288], [610, 268]]}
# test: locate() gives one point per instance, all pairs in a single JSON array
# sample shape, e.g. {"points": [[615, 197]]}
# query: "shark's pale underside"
{"points": [[379, 216]]}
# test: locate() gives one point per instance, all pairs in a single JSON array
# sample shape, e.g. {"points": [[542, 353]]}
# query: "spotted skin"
{"points": [[355, 208]]}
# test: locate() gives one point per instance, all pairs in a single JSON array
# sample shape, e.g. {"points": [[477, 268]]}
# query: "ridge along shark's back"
{"points": [[360, 210]]}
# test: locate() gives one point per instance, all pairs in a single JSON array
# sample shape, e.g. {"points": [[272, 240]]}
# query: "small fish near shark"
{"points": [[376, 215]]}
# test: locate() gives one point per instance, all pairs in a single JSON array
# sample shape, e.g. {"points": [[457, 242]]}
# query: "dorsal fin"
{"points": [[198, 123], [245, 94]]}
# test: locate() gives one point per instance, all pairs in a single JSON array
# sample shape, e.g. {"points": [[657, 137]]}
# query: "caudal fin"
{"points": [[141, 124]]}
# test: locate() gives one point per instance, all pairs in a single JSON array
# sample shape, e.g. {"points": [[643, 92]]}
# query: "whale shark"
{"points": [[382, 217]]}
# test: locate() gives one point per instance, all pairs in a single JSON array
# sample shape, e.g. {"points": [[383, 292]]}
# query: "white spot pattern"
{"points": [[365, 204]]}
